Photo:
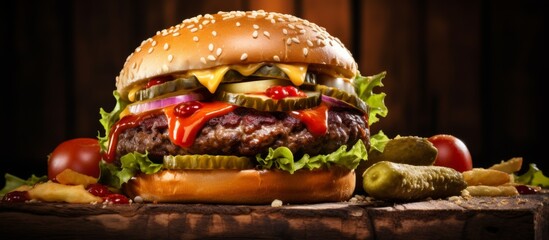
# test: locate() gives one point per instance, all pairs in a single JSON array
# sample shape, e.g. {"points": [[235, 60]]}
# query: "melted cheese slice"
{"points": [[296, 72], [211, 78]]}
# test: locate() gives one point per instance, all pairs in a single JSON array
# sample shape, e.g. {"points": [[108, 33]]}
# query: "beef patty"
{"points": [[247, 132]]}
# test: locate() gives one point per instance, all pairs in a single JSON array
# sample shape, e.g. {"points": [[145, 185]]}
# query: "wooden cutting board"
{"points": [[524, 217]]}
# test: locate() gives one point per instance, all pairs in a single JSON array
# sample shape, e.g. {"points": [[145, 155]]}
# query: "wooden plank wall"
{"points": [[468, 68]]}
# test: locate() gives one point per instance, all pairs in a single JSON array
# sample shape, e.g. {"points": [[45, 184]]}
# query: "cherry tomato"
{"points": [[82, 155], [452, 152]]}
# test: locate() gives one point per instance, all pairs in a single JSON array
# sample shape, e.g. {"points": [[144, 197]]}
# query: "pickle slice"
{"points": [[265, 71], [205, 161], [339, 83], [264, 103], [344, 96], [257, 86], [167, 87]]}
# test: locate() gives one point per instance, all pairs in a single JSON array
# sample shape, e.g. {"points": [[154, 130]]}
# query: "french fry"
{"points": [[489, 177], [492, 191], [56, 192], [22, 188], [510, 166], [70, 177]]}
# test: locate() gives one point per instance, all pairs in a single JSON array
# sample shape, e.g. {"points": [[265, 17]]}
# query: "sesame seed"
{"points": [[309, 43], [205, 22], [170, 58], [214, 33], [238, 24], [218, 51], [203, 60], [175, 34], [166, 46], [305, 51], [291, 26], [195, 38], [150, 50], [276, 58], [194, 29], [288, 41], [138, 49], [153, 43], [285, 31], [267, 34], [243, 57], [211, 57], [255, 26], [302, 31], [294, 39], [254, 34], [165, 67], [273, 21], [211, 47], [190, 26], [320, 43]]}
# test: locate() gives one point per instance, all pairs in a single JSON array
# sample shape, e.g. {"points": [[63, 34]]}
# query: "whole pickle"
{"points": [[403, 182], [411, 150]]}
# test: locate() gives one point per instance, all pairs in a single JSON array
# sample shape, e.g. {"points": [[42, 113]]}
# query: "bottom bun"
{"points": [[243, 186]]}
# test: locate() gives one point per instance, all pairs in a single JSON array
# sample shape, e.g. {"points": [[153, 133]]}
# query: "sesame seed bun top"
{"points": [[234, 38]]}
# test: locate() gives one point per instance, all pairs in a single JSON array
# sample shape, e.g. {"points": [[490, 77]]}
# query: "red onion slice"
{"points": [[335, 102], [145, 106]]}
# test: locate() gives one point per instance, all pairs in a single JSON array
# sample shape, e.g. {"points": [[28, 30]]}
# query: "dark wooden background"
{"points": [[472, 68]]}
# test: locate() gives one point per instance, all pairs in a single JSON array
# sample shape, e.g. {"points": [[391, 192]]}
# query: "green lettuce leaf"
{"points": [[13, 182], [131, 164], [533, 177], [364, 87], [109, 119], [283, 159], [378, 141]]}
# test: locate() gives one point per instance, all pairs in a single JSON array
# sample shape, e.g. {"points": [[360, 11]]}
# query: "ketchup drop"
{"points": [[16, 196]]}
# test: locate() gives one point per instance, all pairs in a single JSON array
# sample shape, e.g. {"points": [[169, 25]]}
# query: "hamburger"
{"points": [[239, 108]]}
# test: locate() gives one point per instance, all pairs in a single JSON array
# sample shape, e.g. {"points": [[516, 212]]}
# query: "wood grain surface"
{"points": [[525, 217]]}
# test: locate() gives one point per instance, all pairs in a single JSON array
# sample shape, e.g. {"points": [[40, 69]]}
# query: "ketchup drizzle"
{"points": [[129, 121]]}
